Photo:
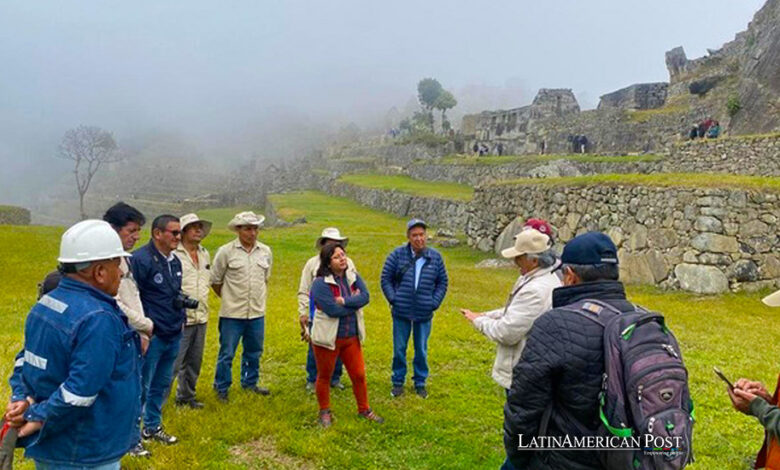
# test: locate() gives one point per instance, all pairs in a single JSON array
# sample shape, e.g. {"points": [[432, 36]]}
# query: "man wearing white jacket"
{"points": [[530, 297]]}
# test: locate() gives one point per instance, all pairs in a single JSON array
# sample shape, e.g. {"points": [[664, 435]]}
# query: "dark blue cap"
{"points": [[590, 248], [416, 223]]}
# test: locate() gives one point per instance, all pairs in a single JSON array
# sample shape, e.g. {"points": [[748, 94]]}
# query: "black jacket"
{"points": [[562, 365]]}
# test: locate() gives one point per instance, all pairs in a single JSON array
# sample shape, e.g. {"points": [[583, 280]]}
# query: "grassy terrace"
{"points": [[405, 184], [509, 159], [695, 180], [460, 425]]}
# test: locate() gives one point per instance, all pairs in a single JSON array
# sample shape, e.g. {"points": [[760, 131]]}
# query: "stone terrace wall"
{"points": [[481, 174], [738, 155], [701, 240], [391, 153]]}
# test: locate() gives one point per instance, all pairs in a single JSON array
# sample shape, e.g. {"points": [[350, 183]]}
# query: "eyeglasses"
{"points": [[175, 233]]}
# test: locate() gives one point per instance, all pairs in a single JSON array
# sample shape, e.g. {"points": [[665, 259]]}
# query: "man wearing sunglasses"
{"points": [[158, 274]]}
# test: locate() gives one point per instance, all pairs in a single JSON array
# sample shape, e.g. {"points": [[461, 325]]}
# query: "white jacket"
{"points": [[129, 301], [531, 296]]}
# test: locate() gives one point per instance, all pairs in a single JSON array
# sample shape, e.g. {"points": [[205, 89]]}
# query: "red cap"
{"points": [[540, 225]]}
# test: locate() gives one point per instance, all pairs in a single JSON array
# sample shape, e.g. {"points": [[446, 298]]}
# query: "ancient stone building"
{"points": [[512, 124], [636, 97]]}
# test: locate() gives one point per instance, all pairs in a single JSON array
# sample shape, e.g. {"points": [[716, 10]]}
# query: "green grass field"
{"points": [[460, 425], [405, 184]]}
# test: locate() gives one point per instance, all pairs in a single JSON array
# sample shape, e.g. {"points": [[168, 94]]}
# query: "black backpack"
{"points": [[644, 392]]}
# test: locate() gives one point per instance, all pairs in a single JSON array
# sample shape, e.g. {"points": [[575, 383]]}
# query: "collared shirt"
{"points": [[196, 282], [244, 279], [418, 265]]}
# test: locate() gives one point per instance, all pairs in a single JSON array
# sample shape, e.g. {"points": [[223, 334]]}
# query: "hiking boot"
{"points": [[222, 396], [192, 403], [159, 435], [258, 390], [337, 385], [326, 418], [371, 416], [421, 391], [310, 387], [397, 391], [139, 451]]}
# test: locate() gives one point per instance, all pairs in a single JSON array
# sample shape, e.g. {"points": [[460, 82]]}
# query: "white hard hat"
{"points": [[90, 240]]}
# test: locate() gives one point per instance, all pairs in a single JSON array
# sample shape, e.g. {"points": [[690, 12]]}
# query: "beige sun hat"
{"points": [[529, 241], [772, 300], [191, 218], [246, 218], [331, 233]]}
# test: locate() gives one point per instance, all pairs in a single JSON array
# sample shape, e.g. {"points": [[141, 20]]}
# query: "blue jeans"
{"points": [[251, 333], [54, 466], [157, 374], [402, 329], [311, 369]]}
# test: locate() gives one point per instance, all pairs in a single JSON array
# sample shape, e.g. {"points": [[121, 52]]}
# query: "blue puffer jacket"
{"points": [[82, 368], [398, 284]]}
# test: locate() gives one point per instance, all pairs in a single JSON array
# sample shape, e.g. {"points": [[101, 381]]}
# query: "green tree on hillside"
{"points": [[89, 147], [444, 102], [428, 91]]}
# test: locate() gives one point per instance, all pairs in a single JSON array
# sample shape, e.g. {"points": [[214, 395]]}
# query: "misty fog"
{"points": [[240, 80]]}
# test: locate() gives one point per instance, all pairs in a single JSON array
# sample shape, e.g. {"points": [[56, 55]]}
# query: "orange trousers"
{"points": [[348, 349]]}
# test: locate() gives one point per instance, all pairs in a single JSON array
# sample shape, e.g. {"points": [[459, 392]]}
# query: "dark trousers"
{"points": [[157, 376], [189, 360]]}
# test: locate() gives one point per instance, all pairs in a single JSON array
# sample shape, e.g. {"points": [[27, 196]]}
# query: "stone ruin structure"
{"points": [[744, 72], [636, 97]]}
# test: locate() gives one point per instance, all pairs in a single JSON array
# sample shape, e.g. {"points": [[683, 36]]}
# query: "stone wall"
{"points": [[638, 96], [700, 240], [14, 215], [390, 152], [738, 155], [480, 174]]}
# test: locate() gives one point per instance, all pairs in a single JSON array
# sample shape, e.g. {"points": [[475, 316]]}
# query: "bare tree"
{"points": [[89, 147]]}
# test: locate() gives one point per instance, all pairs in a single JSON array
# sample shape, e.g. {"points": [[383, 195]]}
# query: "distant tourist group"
{"points": [[111, 330], [708, 128]]}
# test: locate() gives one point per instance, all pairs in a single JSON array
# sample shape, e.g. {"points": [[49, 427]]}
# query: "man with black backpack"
{"points": [[565, 384]]}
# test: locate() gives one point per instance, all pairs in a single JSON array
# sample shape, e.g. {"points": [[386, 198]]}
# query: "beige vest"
{"points": [[325, 329]]}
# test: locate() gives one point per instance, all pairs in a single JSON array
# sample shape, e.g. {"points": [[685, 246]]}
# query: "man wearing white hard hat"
{"points": [[752, 398], [530, 297], [80, 377], [305, 312], [239, 275], [195, 282]]}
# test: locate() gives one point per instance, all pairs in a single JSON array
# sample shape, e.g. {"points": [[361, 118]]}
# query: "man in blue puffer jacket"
{"points": [[414, 282], [76, 393]]}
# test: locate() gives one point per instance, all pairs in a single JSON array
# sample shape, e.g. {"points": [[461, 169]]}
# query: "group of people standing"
{"points": [[112, 329]]}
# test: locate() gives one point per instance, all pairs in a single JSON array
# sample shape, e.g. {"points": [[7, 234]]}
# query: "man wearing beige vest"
{"points": [[329, 235], [530, 297], [239, 275], [195, 283]]}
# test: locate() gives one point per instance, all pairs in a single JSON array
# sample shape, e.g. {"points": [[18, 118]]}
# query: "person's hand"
{"points": [[144, 344], [470, 316], [303, 320], [31, 427], [741, 399], [340, 300], [14, 413], [754, 387]]}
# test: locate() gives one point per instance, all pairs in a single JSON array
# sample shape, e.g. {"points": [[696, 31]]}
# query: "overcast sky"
{"points": [[222, 73]]}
